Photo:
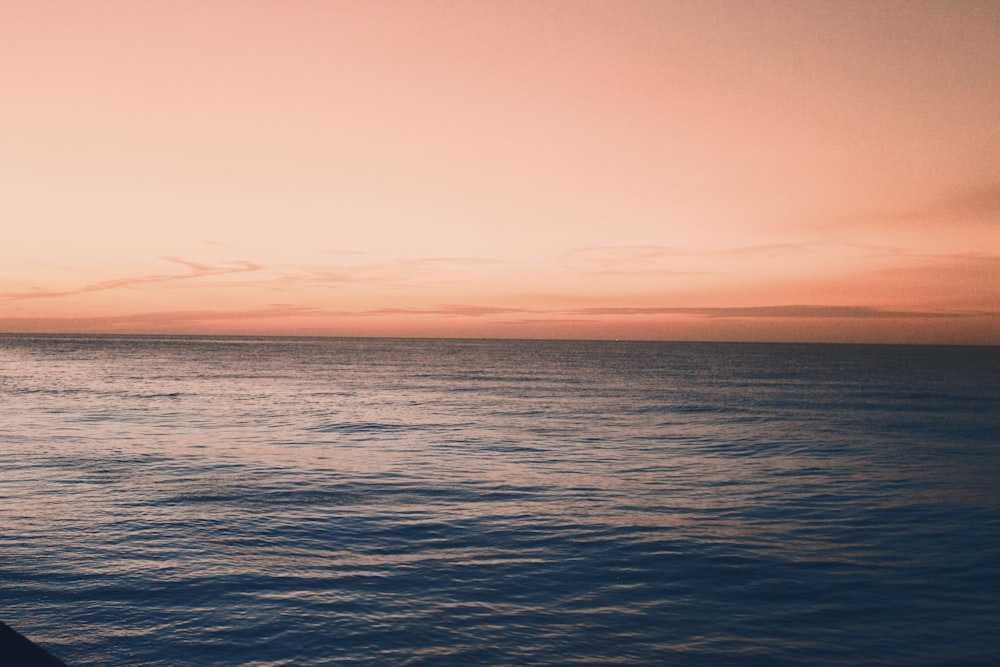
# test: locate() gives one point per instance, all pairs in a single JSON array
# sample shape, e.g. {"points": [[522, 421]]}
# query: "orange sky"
{"points": [[823, 171]]}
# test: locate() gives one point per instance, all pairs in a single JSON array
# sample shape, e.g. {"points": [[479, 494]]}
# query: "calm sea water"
{"points": [[185, 501]]}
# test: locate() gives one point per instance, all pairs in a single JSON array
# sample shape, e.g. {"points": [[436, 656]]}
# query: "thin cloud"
{"points": [[390, 273], [967, 280], [662, 260], [163, 320], [447, 310], [982, 264], [789, 311], [843, 248], [291, 316], [195, 319], [189, 316], [546, 321], [196, 270], [562, 315]]}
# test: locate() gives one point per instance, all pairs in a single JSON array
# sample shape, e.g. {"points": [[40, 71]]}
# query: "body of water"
{"points": [[283, 501]]}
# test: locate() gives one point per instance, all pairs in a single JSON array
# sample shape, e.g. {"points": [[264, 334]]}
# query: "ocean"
{"points": [[305, 501]]}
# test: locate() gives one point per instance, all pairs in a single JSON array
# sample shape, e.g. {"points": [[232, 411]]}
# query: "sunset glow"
{"points": [[783, 171]]}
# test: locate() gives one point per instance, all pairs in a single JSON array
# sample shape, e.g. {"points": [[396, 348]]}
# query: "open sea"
{"points": [[301, 501]]}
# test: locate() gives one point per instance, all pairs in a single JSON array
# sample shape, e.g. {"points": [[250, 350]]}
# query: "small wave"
{"points": [[47, 391], [375, 428], [262, 497], [361, 427], [172, 394]]}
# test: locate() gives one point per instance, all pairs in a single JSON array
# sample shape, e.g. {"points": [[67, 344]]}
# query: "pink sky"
{"points": [[824, 171]]}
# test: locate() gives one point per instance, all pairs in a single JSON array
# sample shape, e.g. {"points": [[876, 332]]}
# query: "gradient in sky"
{"points": [[823, 171]]}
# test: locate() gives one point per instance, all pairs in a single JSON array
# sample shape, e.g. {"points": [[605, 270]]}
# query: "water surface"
{"points": [[238, 501]]}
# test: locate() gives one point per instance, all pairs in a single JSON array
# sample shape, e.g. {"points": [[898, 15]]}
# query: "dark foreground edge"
{"points": [[16, 650]]}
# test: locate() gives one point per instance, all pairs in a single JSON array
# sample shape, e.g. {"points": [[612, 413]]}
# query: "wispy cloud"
{"points": [[385, 273], [534, 315], [195, 270], [449, 319], [447, 310], [541, 315], [789, 311], [194, 316], [550, 321], [663, 260], [392, 273]]}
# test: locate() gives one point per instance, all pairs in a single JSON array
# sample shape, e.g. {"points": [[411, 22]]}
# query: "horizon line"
{"points": [[258, 336]]}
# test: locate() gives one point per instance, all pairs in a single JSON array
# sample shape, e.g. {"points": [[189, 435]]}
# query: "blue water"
{"points": [[236, 501]]}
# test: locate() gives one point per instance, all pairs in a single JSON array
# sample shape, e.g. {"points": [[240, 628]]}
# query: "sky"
{"points": [[759, 171]]}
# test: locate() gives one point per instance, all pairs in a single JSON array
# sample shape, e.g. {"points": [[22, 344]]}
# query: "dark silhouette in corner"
{"points": [[16, 650]]}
